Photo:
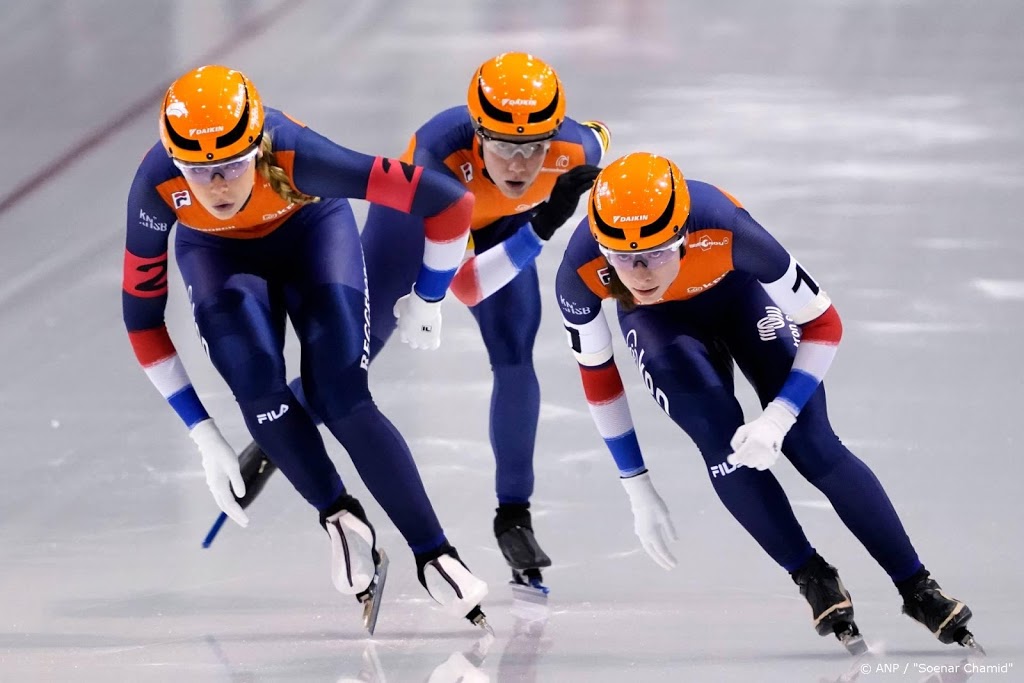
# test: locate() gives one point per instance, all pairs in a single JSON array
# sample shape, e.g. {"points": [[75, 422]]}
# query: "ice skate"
{"points": [[831, 604], [450, 583], [513, 528], [357, 567], [945, 617]]}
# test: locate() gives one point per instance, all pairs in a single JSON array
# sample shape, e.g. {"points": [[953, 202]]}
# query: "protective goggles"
{"points": [[506, 149], [650, 258], [228, 170]]}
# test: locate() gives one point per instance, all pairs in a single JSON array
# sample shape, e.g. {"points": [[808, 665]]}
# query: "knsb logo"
{"points": [[722, 469], [147, 221], [638, 359], [508, 102], [272, 415], [572, 308], [562, 161]]}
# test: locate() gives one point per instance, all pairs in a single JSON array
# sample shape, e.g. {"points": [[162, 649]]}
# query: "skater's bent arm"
{"points": [[144, 297], [799, 297], [325, 169], [591, 341]]}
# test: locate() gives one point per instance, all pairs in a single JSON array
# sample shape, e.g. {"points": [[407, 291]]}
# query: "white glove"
{"points": [[222, 471], [419, 321], [757, 444], [651, 520]]}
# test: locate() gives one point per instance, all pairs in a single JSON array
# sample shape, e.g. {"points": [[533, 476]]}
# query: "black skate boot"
{"points": [[358, 567], [450, 583], [256, 470], [945, 617], [513, 528], [831, 604]]}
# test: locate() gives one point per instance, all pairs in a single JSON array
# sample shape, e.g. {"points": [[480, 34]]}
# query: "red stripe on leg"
{"points": [[601, 384], [393, 183]]}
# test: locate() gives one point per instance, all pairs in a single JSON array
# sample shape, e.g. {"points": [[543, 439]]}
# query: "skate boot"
{"points": [[513, 528], [450, 583], [357, 567], [945, 617], [256, 470], [831, 604]]}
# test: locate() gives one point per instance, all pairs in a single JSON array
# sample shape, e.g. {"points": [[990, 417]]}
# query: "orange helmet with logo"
{"points": [[639, 201], [210, 114], [516, 94]]}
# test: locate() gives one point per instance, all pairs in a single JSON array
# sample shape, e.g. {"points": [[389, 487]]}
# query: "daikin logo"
{"points": [[631, 219], [205, 131], [507, 102], [272, 415]]}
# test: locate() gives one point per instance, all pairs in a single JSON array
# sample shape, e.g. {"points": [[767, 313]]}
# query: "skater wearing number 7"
{"points": [[700, 285]]}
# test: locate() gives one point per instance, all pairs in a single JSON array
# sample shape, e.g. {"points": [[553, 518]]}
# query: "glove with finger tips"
{"points": [[758, 443], [565, 196], [222, 470], [419, 321], [651, 520]]}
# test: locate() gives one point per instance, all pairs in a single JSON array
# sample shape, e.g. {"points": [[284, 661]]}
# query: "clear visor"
{"points": [[228, 170], [506, 149], [650, 258]]}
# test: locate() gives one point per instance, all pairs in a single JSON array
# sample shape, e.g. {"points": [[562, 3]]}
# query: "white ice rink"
{"points": [[881, 140]]}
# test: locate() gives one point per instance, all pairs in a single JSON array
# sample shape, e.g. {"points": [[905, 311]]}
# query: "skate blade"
{"points": [[537, 595], [371, 601], [855, 645], [971, 644], [477, 617]]}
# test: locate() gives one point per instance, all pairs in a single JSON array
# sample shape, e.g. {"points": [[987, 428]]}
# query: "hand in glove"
{"points": [[561, 205], [651, 520], [222, 471], [758, 443], [419, 321]]}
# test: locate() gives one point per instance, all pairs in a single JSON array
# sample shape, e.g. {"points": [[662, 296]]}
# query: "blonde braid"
{"points": [[267, 167]]}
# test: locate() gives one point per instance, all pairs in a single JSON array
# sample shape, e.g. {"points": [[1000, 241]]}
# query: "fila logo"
{"points": [[467, 171], [723, 469], [205, 131], [630, 219], [181, 199], [272, 415]]}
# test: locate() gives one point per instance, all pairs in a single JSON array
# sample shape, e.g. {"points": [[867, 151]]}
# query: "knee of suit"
{"points": [[242, 345], [813, 448], [335, 393]]}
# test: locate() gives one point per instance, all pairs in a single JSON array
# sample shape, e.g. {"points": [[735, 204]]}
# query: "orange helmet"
{"points": [[210, 114], [638, 202], [516, 94]]}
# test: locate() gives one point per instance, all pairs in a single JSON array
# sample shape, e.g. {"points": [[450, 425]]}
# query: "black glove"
{"points": [[561, 205]]}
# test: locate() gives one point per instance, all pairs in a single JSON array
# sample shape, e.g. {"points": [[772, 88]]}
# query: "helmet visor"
{"points": [[650, 258], [203, 174]]}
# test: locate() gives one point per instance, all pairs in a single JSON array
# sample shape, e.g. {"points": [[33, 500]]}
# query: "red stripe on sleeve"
{"points": [[601, 384], [145, 277], [466, 285], [393, 183], [152, 345], [827, 328], [452, 223]]}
